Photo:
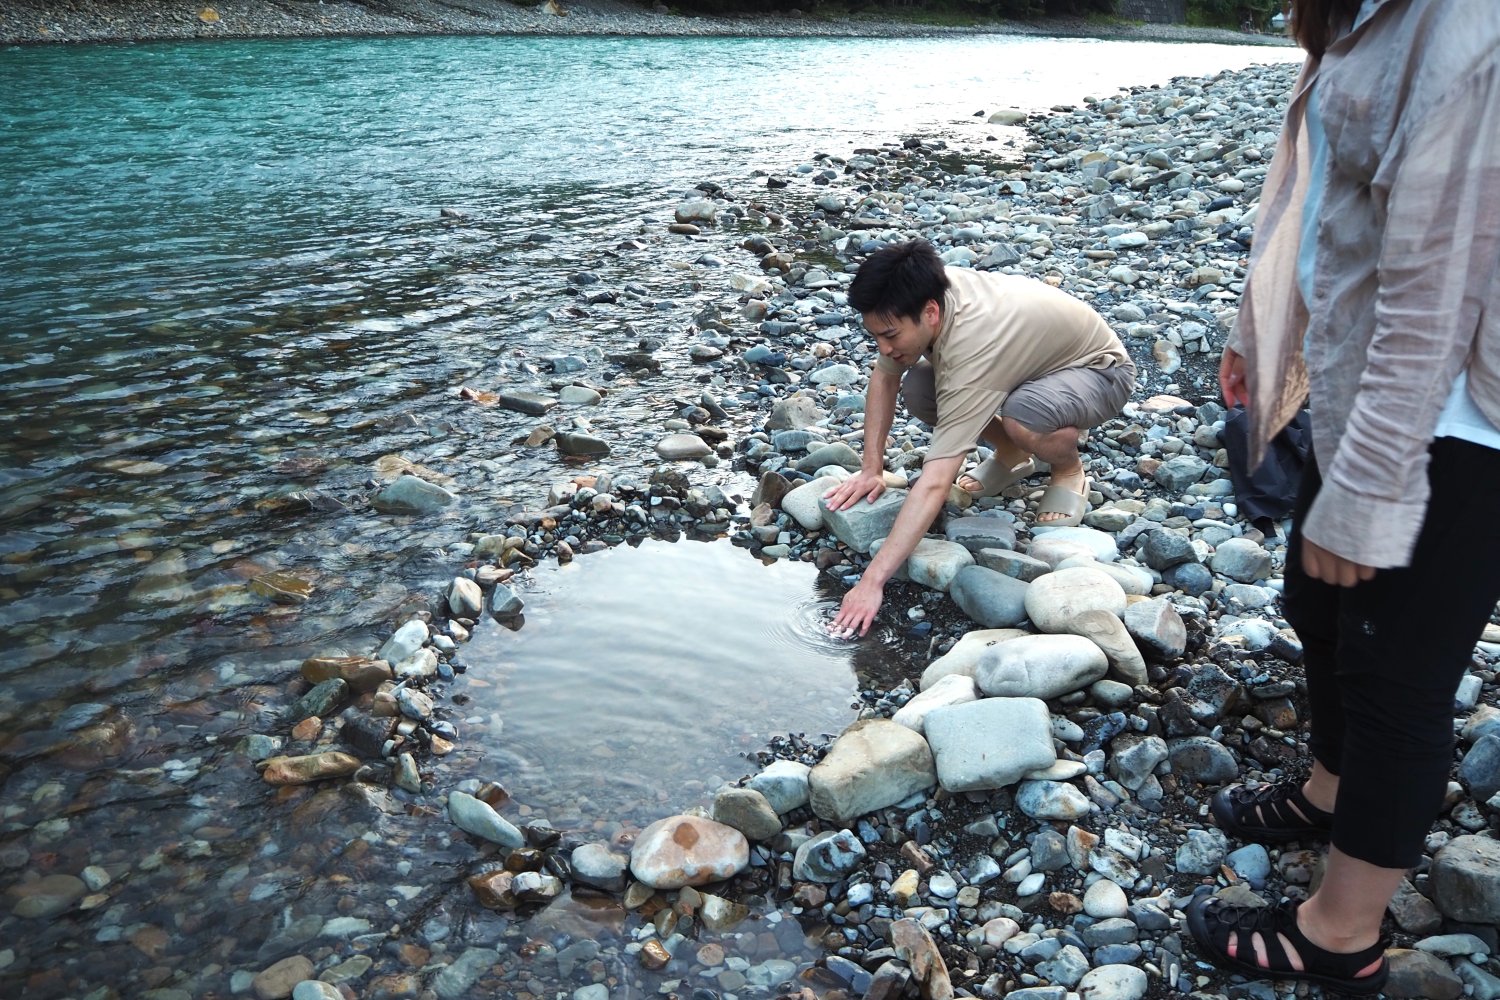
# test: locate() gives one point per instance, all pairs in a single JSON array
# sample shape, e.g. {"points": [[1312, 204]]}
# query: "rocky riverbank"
{"points": [[1025, 813], [31, 22]]}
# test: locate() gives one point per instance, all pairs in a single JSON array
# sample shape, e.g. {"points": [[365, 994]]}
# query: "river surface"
{"points": [[230, 290]]}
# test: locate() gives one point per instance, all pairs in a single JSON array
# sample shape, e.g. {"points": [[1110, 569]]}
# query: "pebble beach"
{"points": [[1024, 814]]}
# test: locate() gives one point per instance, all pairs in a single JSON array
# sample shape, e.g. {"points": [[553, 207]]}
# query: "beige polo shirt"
{"points": [[999, 331]]}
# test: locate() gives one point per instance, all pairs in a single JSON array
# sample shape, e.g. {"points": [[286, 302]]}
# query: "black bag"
{"points": [[1267, 494]]}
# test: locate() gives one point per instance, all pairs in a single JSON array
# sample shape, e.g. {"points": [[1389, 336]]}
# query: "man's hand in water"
{"points": [[857, 612], [860, 486]]}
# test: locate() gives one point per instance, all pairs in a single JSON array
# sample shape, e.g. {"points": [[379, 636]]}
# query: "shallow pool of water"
{"points": [[644, 676]]}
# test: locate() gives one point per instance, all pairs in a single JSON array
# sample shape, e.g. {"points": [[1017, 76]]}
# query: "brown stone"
{"points": [[915, 946], [1065, 903], [312, 767], [308, 730], [278, 981], [493, 890], [654, 955], [362, 673], [688, 850]]}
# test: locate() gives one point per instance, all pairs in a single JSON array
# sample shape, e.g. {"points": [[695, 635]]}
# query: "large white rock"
{"points": [[963, 658], [1040, 666], [688, 850], [1055, 599], [405, 641], [990, 743], [952, 689], [1134, 580], [1113, 982], [873, 764], [802, 502]]}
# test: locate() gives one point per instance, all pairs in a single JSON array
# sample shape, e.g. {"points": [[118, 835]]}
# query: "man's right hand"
{"points": [[1232, 379], [860, 486]]}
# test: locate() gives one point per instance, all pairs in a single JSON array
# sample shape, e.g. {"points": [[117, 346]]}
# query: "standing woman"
{"points": [[1373, 290]]}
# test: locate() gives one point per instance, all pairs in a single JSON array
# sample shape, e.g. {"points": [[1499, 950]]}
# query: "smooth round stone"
{"points": [[579, 395], [688, 850], [312, 989], [48, 897], [682, 447], [1053, 601], [1032, 884], [942, 886], [1104, 900]]}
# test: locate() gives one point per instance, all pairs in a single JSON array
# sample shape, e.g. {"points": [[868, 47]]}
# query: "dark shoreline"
{"points": [[30, 22]]}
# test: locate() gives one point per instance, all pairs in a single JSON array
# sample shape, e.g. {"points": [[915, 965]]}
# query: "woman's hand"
{"points": [[1320, 564], [1232, 378]]}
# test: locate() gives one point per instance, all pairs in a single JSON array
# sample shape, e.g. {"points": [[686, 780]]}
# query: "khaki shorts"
{"points": [[1071, 397]]}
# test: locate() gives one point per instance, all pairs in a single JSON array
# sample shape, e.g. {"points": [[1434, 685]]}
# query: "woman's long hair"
{"points": [[1315, 23]]}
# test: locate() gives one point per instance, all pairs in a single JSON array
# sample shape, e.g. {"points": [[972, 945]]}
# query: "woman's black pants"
{"points": [[1384, 658]]}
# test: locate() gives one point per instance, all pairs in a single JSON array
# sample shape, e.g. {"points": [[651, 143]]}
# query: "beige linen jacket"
{"points": [[1406, 289]]}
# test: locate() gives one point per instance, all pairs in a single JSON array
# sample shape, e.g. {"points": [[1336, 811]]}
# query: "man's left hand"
{"points": [[858, 610], [1320, 564]]}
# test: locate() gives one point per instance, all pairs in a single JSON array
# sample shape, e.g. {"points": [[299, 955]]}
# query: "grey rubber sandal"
{"points": [[994, 477], [1061, 500]]}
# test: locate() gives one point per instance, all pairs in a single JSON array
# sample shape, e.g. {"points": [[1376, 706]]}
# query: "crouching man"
{"points": [[976, 354]]}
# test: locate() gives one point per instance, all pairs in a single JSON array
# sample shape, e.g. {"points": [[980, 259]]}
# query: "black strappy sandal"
{"points": [[1218, 927], [1270, 812]]}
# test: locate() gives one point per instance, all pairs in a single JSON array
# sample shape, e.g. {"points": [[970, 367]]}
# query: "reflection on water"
{"points": [[647, 675]]}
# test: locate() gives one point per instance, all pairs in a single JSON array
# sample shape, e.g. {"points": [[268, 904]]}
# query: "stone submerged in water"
{"points": [[600, 867], [477, 817], [682, 447], [309, 768], [408, 494], [47, 897]]}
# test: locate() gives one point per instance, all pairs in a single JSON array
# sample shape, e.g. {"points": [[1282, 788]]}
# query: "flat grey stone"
{"points": [[828, 857], [990, 743], [1013, 564], [455, 981], [951, 689], [747, 811], [794, 413], [992, 599], [979, 533], [576, 445], [1100, 544], [860, 526], [600, 867]]}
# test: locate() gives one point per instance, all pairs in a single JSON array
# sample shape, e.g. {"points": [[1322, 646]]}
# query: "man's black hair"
{"points": [[898, 281]]}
